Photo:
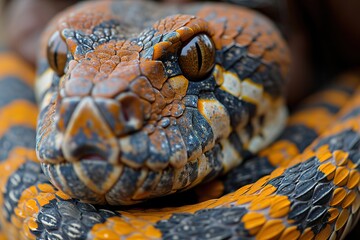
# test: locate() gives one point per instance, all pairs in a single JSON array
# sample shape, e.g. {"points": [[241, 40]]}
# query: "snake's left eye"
{"points": [[197, 57], [57, 53]]}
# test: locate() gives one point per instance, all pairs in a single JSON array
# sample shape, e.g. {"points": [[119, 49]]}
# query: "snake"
{"points": [[138, 104]]}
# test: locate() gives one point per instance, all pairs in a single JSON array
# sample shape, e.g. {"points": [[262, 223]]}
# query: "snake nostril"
{"points": [[132, 112], [87, 134]]}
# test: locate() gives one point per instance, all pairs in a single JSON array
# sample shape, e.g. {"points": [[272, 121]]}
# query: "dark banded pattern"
{"points": [[313, 194], [133, 108], [25, 187], [297, 135], [316, 177]]}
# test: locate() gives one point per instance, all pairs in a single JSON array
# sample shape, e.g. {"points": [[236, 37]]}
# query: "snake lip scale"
{"points": [[137, 101]]}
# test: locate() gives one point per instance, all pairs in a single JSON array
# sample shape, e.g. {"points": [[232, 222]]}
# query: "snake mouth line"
{"points": [[89, 157]]}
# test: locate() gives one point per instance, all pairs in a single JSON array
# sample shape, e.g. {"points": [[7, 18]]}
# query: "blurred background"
{"points": [[1, 24]]}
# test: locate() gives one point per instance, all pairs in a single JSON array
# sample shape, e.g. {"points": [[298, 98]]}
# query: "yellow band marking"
{"points": [[14, 66], [19, 112]]}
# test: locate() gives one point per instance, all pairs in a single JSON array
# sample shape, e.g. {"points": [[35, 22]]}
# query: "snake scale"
{"points": [[137, 101]]}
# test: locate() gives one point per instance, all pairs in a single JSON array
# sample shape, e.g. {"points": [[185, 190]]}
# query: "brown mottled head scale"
{"points": [[147, 108]]}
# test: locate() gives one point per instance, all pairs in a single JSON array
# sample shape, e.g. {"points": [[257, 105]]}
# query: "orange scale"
{"points": [[261, 203], [27, 233], [221, 202], [351, 165], [341, 176], [62, 195], [354, 179], [137, 236], [253, 220], [267, 190], [342, 219], [255, 230], [244, 40], [277, 172], [307, 234], [227, 41], [328, 169], [19, 213], [160, 48], [106, 234], [242, 190], [269, 56], [139, 224], [323, 156], [338, 196], [219, 26], [322, 150], [32, 224], [334, 213], [265, 41], [256, 50], [152, 232], [245, 199], [97, 227], [290, 233], [258, 185], [231, 32], [43, 200], [217, 41], [324, 233], [280, 207], [340, 157], [271, 229], [349, 199], [31, 207], [123, 228]]}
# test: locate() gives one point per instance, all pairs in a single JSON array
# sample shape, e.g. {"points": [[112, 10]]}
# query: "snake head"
{"points": [[135, 111]]}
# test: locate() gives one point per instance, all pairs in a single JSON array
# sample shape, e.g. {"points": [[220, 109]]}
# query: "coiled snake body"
{"points": [[138, 101]]}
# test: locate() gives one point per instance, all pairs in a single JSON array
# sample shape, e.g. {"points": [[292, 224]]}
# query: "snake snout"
{"points": [[88, 134], [95, 125]]}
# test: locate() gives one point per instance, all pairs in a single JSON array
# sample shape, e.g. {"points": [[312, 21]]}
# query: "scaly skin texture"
{"points": [[32, 207], [128, 120], [314, 194]]}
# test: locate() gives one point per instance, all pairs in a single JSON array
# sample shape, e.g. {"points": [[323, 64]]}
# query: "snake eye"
{"points": [[197, 57], [56, 53]]}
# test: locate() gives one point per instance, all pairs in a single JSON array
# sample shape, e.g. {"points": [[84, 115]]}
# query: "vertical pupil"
{"points": [[199, 56]]}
